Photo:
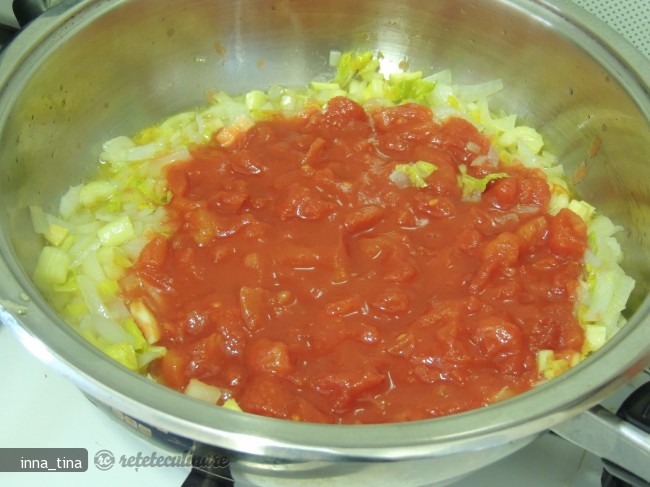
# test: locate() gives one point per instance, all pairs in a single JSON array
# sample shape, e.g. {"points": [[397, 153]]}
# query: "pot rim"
{"points": [[524, 415]]}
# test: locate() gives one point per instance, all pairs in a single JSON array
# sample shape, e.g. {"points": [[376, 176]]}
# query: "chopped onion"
{"points": [[493, 157], [400, 179], [205, 392], [91, 296], [505, 218], [528, 208], [478, 161]]}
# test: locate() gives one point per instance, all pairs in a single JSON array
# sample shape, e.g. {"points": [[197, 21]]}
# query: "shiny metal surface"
{"points": [[611, 438], [87, 71]]}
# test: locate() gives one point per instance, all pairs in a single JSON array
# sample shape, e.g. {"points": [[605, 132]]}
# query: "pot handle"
{"points": [[25, 11], [621, 440]]}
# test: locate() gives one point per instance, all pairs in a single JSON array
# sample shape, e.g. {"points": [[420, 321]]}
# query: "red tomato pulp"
{"points": [[304, 282]]}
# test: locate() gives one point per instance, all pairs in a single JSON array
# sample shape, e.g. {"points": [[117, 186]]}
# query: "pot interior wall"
{"points": [[117, 67]]}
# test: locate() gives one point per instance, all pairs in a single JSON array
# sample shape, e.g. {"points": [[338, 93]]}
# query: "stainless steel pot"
{"points": [[86, 71]]}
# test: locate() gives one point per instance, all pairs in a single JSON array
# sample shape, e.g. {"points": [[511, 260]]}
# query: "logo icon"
{"points": [[104, 460]]}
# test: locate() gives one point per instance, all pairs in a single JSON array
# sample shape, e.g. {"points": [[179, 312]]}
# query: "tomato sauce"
{"points": [[305, 283]]}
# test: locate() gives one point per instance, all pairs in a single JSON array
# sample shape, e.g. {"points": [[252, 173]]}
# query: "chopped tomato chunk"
{"points": [[567, 234]]}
